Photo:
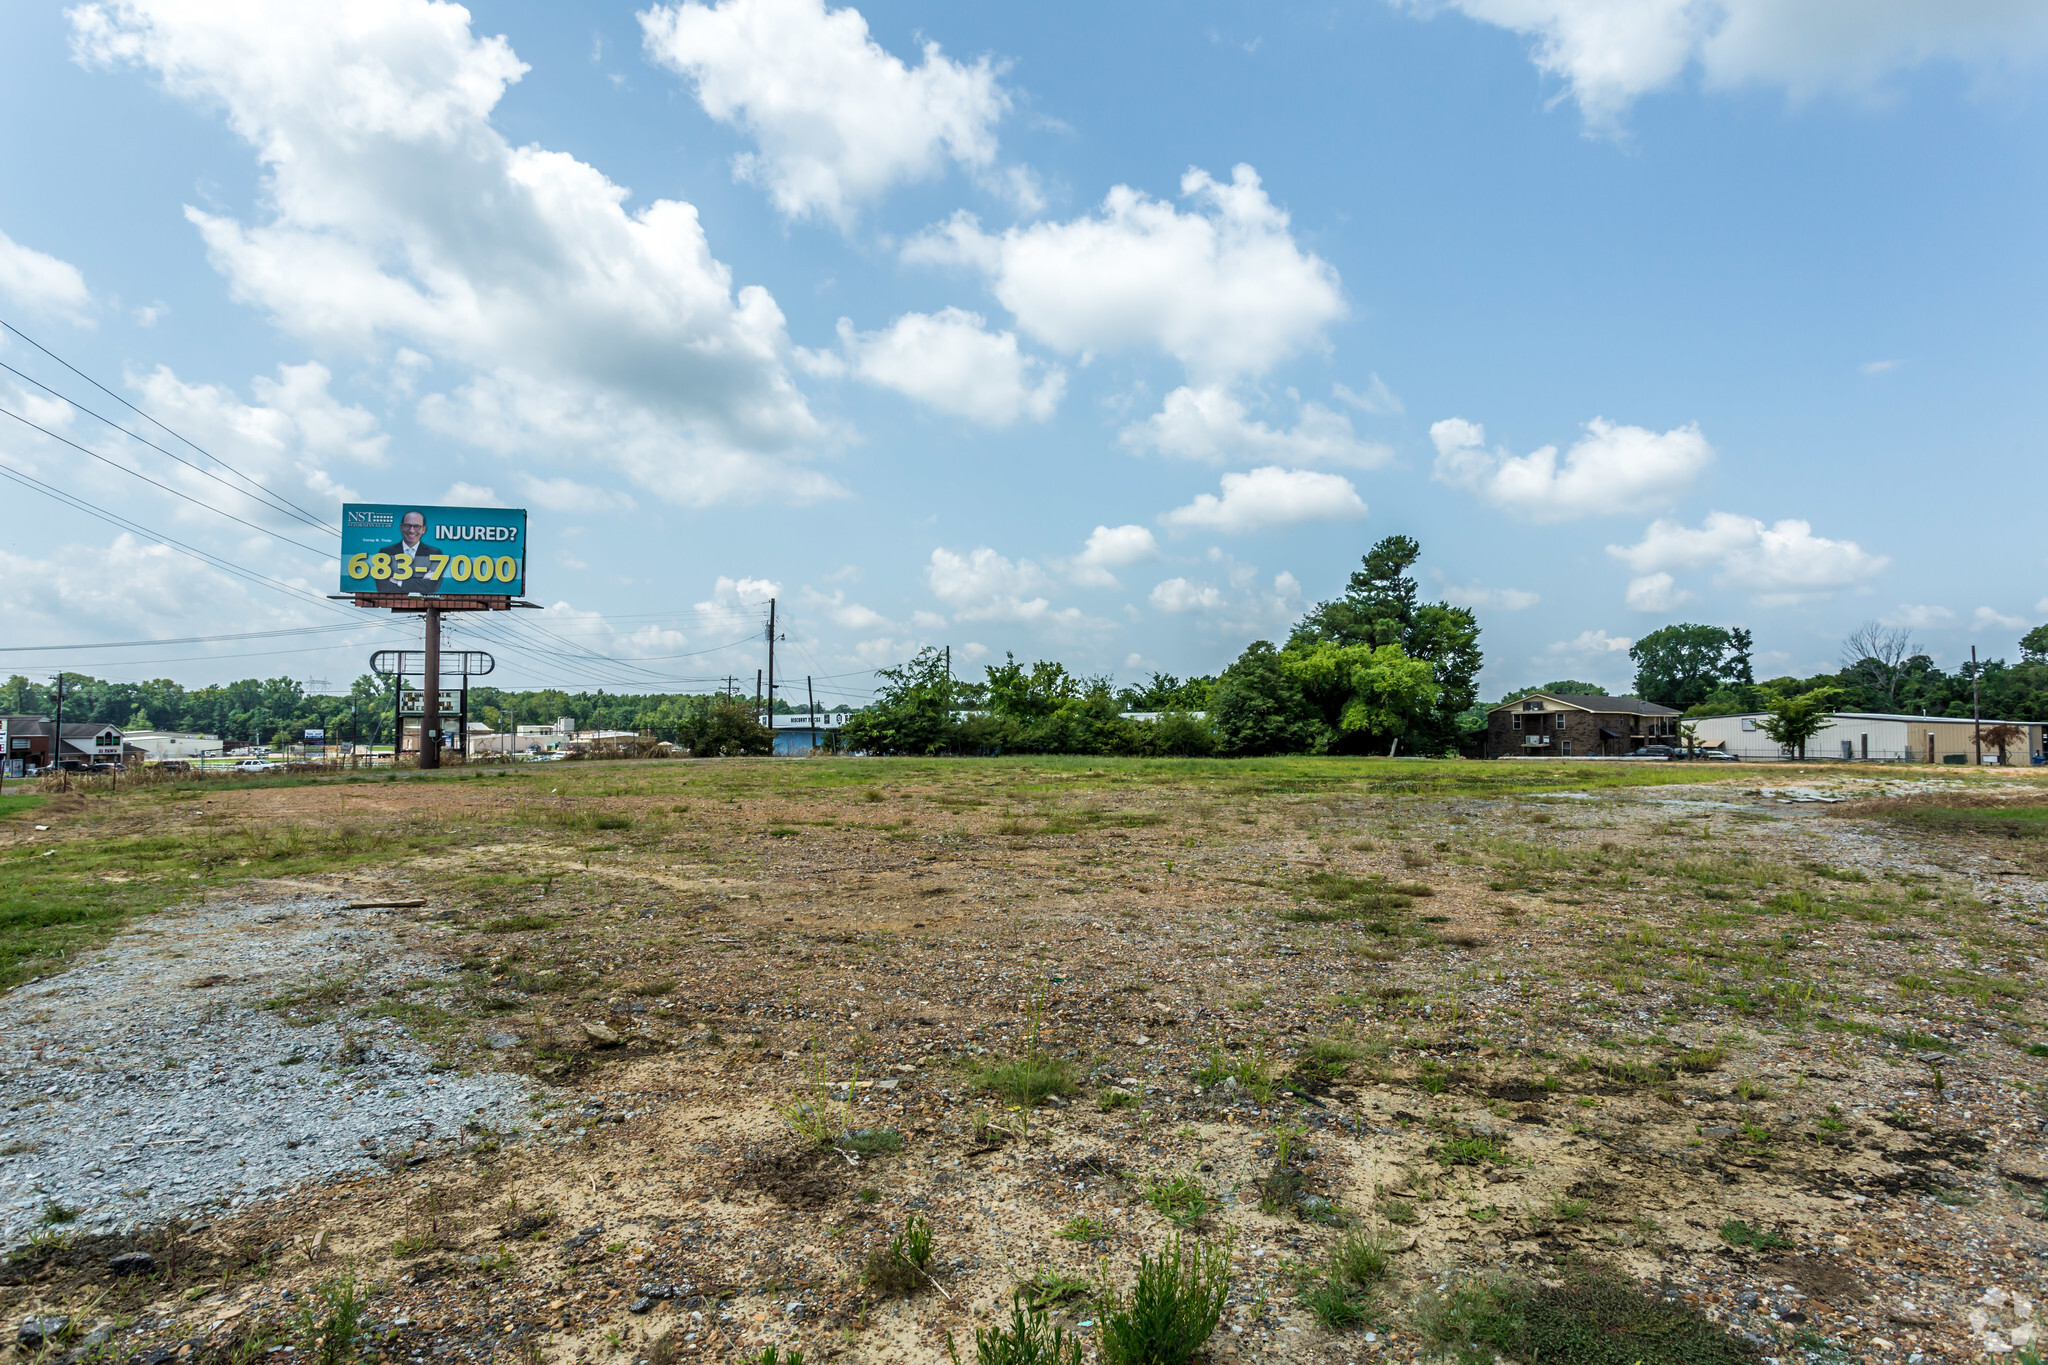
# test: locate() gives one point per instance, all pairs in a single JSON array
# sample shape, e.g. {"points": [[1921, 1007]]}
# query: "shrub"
{"points": [[1737, 1233], [330, 1319], [902, 1267], [1591, 1318], [870, 1141], [1340, 1293], [1179, 1199], [1025, 1081], [1171, 1309], [1030, 1339]]}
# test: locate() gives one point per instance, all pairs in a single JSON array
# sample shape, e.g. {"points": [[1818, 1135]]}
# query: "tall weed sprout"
{"points": [[1171, 1308]]}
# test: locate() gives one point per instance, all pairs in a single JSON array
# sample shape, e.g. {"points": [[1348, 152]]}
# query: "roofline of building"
{"points": [[1564, 699], [1879, 715]]}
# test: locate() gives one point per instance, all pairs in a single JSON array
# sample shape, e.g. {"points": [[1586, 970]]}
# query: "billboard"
{"points": [[418, 550]]}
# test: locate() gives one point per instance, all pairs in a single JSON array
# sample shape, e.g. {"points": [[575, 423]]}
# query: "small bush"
{"points": [[1470, 1149], [1590, 1319], [1334, 1306], [1171, 1309], [1700, 1060], [1737, 1233], [330, 1319], [1179, 1199], [1024, 1081], [901, 1267], [54, 1214], [1030, 1339], [870, 1141], [1080, 1228], [1114, 1098]]}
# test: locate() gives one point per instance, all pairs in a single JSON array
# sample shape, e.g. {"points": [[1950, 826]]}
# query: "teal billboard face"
{"points": [[427, 551]]}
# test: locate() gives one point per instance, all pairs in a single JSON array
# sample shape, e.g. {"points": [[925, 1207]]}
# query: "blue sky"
{"points": [[1107, 333]]}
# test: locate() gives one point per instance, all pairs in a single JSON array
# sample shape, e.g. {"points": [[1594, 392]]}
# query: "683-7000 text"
{"points": [[460, 568]]}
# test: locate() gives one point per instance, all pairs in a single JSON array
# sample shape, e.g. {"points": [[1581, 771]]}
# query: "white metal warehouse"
{"points": [[1869, 736]]}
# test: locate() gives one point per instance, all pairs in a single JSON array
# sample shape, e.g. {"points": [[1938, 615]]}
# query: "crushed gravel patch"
{"points": [[147, 1082]]}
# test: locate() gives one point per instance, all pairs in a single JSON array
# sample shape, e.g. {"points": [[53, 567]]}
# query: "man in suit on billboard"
{"points": [[412, 544]]}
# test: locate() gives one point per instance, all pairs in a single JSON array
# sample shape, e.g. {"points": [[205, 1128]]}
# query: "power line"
{"points": [[136, 473], [181, 640], [275, 506], [132, 408], [115, 519]]}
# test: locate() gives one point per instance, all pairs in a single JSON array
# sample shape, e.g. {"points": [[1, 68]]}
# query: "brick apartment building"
{"points": [[1575, 726]]}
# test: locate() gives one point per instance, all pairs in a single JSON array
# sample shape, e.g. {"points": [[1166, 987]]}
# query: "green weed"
{"points": [[1171, 1308]]}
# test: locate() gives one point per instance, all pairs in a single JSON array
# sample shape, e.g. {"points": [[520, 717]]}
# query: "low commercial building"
{"points": [[160, 746], [802, 734], [1576, 725], [1874, 737], [33, 742]]}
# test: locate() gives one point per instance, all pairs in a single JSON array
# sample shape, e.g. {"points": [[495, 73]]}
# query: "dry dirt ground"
{"points": [[1758, 1041]]}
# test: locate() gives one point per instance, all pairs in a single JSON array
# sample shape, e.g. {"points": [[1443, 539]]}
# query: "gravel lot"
{"points": [[148, 1082]]}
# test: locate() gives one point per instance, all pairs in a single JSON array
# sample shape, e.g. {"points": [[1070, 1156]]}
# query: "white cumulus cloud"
{"points": [[1609, 53], [1185, 594], [40, 281], [1779, 563], [1589, 644], [836, 118], [1989, 618], [986, 586], [1111, 547], [1209, 423], [1270, 497], [396, 212], [1655, 592], [1610, 469], [1223, 287], [949, 360], [297, 438]]}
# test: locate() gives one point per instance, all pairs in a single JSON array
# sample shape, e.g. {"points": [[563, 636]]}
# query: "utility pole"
{"points": [[811, 709], [57, 733], [430, 722], [1976, 717], [771, 662], [949, 682], [757, 694]]}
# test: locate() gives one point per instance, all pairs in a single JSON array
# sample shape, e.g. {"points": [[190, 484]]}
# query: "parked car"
{"points": [[256, 765], [1721, 755]]}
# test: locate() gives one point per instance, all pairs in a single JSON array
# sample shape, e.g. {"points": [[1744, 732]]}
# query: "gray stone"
{"points": [[132, 1263], [498, 1042], [37, 1331]]}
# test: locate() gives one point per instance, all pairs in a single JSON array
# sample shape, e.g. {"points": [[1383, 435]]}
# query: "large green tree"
{"points": [[1374, 690], [1380, 607], [1681, 666], [1257, 708]]}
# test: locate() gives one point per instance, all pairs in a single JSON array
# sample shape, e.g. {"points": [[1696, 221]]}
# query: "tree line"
{"points": [[1373, 670], [278, 711]]}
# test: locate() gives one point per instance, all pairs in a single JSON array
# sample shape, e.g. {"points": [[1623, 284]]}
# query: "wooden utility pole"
{"points": [[430, 719], [811, 709], [1976, 718], [57, 733], [757, 694], [771, 662]]}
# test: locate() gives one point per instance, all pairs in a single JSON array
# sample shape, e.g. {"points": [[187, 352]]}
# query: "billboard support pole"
{"points": [[430, 721]]}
